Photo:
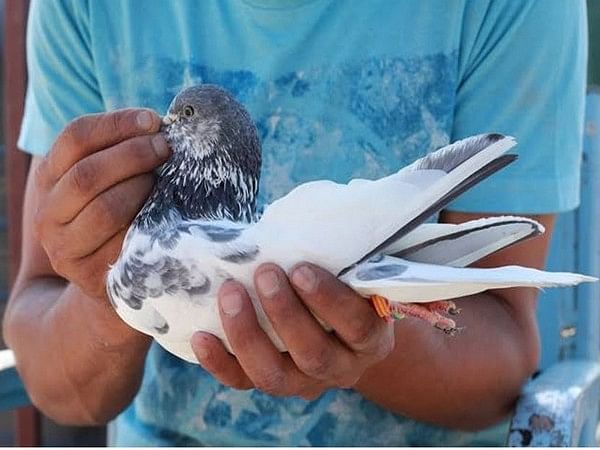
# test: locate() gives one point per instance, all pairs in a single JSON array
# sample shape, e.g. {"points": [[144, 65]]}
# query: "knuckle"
{"points": [[108, 208], [140, 149], [114, 121], [360, 333], [83, 177], [271, 382], [317, 364], [77, 131], [120, 122]]}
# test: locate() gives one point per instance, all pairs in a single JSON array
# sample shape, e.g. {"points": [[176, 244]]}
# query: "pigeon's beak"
{"points": [[169, 119]]}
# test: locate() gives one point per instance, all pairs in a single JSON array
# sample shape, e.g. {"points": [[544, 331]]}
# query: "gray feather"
{"points": [[455, 154]]}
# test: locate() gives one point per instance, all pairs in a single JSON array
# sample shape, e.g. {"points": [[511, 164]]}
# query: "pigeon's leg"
{"points": [[389, 311], [383, 308]]}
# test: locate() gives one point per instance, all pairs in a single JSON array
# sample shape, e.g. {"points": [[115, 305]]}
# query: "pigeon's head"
{"points": [[206, 120], [214, 170]]}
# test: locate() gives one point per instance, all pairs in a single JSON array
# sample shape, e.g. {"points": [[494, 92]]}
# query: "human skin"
{"points": [[82, 365]]}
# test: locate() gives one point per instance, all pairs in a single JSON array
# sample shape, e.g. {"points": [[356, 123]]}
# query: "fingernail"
{"points": [[231, 303], [144, 120], [268, 283], [201, 352], [199, 344], [160, 146], [304, 278]]}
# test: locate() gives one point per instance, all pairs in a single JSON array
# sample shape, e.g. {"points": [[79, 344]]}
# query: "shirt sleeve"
{"points": [[522, 66], [61, 80]]}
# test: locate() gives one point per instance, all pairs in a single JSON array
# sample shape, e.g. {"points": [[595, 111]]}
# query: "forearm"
{"points": [[468, 381], [80, 363]]}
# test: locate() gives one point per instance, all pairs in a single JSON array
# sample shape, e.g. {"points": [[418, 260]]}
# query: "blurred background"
{"points": [[52, 434]]}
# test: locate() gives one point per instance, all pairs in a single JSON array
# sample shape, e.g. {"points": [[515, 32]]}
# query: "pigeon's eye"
{"points": [[188, 111]]}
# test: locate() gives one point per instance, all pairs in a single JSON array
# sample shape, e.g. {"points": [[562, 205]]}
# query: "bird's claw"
{"points": [[429, 312], [450, 331], [454, 311], [444, 307]]}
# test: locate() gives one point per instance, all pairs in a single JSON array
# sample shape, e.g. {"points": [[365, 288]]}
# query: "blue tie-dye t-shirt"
{"points": [[338, 90]]}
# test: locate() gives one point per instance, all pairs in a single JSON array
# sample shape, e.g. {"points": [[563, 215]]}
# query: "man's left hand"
{"points": [[317, 359]]}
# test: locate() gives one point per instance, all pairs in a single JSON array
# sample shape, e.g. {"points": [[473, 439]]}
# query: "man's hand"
{"points": [[317, 359], [80, 363], [91, 185]]}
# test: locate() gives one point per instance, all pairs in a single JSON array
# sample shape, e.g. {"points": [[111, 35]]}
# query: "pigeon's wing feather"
{"points": [[407, 282], [337, 225], [459, 245], [135, 277], [165, 283], [324, 223]]}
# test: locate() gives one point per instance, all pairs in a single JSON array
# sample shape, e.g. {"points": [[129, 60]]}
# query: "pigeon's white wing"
{"points": [[336, 225], [459, 245], [404, 281]]}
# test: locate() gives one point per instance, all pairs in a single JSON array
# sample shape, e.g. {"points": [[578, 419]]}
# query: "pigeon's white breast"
{"points": [[178, 278]]}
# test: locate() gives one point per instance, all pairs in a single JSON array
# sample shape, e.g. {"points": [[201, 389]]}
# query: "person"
{"points": [[338, 90]]}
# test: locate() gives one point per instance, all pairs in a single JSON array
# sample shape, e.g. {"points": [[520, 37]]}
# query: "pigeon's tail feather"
{"points": [[459, 245], [404, 281], [563, 279], [469, 161]]}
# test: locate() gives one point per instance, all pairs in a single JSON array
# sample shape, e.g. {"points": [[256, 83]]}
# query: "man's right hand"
{"points": [[91, 185]]}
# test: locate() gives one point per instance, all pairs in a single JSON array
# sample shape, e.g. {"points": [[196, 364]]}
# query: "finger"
{"points": [[259, 358], [94, 174], [84, 271], [106, 215], [213, 357], [316, 352], [90, 133], [221, 364], [350, 315]]}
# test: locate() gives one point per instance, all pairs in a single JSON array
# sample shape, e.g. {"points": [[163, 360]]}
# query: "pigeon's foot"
{"points": [[431, 313], [443, 307]]}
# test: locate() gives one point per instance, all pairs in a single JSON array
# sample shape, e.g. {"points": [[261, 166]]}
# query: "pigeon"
{"points": [[199, 228]]}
